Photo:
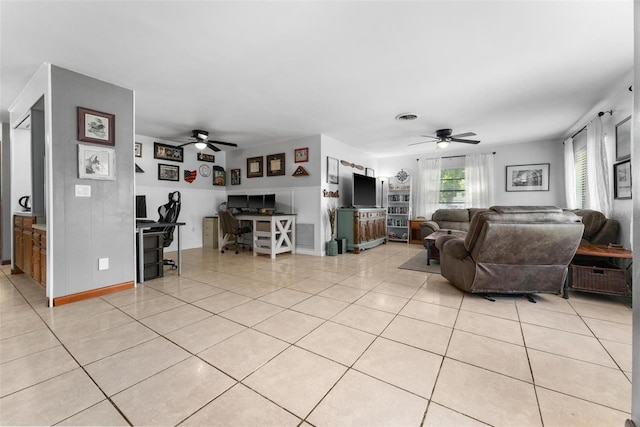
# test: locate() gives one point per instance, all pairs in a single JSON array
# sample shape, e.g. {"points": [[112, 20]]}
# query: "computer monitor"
{"points": [[141, 207], [270, 202], [256, 201], [235, 201]]}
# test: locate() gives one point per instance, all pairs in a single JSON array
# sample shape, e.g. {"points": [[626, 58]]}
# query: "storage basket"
{"points": [[598, 276]]}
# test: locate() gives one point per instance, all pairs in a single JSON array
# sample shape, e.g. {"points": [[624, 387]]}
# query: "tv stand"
{"points": [[363, 228]]}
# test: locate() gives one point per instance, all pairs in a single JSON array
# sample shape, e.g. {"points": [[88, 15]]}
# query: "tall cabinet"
{"points": [[399, 207]]}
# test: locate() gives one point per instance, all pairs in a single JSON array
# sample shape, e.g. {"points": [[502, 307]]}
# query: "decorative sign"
{"points": [[190, 176], [332, 194], [204, 157], [301, 171]]}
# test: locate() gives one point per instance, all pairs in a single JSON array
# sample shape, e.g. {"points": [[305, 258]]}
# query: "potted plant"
{"points": [[332, 244]]}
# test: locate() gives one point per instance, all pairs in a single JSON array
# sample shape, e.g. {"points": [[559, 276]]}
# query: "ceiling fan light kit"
{"points": [[443, 143], [200, 145], [407, 116]]}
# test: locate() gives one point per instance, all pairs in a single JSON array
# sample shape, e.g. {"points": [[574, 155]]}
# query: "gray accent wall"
{"points": [[5, 194], [84, 229]]}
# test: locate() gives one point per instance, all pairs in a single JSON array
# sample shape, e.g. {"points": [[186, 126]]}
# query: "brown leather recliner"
{"points": [[512, 249]]}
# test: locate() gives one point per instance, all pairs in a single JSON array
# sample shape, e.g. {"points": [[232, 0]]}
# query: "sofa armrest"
{"points": [[453, 245], [607, 234], [428, 227]]}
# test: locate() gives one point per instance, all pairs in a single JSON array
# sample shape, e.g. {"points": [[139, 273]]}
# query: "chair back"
{"points": [[169, 212], [228, 223]]}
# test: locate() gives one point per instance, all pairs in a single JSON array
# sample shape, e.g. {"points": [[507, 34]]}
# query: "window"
{"points": [[580, 162], [452, 188]]}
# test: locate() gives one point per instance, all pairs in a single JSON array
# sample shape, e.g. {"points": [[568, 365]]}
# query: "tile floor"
{"points": [[350, 340]]}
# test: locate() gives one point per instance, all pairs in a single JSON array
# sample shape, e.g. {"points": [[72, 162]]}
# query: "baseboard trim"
{"points": [[92, 293]]}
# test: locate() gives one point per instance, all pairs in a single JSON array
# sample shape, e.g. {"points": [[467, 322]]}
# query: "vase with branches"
{"points": [[331, 214]]}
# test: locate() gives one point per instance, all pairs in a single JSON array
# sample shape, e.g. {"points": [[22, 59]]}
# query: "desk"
{"points": [[140, 226], [271, 234]]}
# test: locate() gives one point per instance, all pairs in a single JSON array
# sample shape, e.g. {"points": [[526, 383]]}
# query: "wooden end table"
{"points": [[431, 239], [602, 251]]}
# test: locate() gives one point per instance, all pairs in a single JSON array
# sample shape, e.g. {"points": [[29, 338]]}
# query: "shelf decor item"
{"points": [[275, 164], [96, 126], [168, 152], [168, 172], [623, 139], [332, 244], [534, 177], [254, 167], [96, 162], [301, 155]]}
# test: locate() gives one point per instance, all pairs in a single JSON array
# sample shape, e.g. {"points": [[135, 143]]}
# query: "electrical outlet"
{"points": [[103, 263]]}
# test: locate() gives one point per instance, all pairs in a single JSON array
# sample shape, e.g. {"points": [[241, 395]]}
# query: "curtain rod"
{"points": [[600, 114], [462, 155]]}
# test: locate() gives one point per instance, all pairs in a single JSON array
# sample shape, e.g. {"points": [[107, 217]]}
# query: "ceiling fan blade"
{"points": [[467, 141], [359, 167], [345, 163], [430, 136], [186, 143], [421, 142], [462, 135], [213, 147], [229, 144]]}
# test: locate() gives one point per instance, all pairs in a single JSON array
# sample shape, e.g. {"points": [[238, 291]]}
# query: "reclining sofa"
{"points": [[512, 249]]}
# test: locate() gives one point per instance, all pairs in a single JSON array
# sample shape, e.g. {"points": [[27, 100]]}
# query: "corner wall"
{"points": [[84, 229]]}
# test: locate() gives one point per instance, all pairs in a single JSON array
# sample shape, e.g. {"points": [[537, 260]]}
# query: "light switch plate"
{"points": [[83, 190]]}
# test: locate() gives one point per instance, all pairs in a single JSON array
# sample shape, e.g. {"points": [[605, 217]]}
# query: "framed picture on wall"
{"points": [[622, 180], [254, 167], [168, 152], [275, 164], [138, 149], [96, 162], [168, 172], [370, 172], [301, 155], [235, 176], [96, 126], [534, 177], [623, 139], [332, 170], [218, 175]]}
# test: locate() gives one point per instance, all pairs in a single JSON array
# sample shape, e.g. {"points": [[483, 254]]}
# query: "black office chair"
{"points": [[169, 213], [231, 227]]}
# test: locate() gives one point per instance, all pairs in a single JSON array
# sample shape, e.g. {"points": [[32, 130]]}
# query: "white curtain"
{"points": [[597, 169], [478, 181], [570, 175], [428, 187]]}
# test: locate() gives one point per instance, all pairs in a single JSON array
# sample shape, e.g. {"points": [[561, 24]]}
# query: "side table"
{"points": [[430, 240], [598, 278]]}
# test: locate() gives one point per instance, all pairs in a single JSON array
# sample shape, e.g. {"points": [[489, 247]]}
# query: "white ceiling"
{"points": [[259, 72]]}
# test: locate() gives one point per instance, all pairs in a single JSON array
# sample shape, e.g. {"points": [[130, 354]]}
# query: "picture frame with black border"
{"points": [[623, 139], [168, 172], [206, 157], [96, 162], [235, 176], [96, 126], [531, 177], [137, 149], [168, 152], [370, 172], [276, 164], [301, 155], [254, 167], [219, 175], [333, 170], [622, 181]]}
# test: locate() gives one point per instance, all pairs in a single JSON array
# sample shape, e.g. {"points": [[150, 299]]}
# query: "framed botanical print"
{"points": [[332, 170]]}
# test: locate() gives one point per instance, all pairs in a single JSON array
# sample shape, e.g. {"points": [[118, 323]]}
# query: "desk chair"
{"points": [[231, 227], [169, 213]]}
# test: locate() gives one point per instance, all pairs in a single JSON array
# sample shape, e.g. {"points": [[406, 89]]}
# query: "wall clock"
{"points": [[205, 170]]}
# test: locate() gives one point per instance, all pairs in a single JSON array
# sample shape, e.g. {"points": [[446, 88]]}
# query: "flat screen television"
{"points": [[235, 201], [363, 191], [256, 201], [141, 207], [270, 202]]}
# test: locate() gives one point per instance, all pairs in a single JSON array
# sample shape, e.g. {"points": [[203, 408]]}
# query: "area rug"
{"points": [[419, 263]]}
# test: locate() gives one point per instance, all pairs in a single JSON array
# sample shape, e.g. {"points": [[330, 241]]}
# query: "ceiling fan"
{"points": [[202, 141], [444, 138]]}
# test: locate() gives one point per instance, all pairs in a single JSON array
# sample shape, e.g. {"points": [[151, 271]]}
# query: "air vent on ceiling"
{"points": [[407, 116]]}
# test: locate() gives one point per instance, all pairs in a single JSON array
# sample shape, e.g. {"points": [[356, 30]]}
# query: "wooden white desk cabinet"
{"points": [[272, 234]]}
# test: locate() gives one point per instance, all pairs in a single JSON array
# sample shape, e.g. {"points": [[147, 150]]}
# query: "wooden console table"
{"points": [[606, 280]]}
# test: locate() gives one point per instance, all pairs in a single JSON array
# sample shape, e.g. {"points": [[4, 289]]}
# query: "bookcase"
{"points": [[399, 207]]}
